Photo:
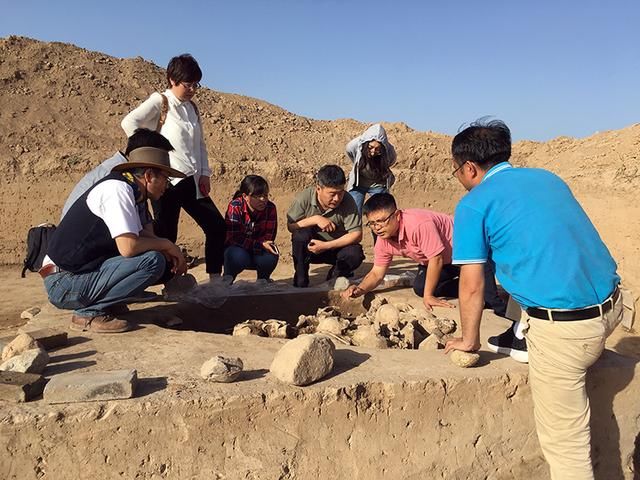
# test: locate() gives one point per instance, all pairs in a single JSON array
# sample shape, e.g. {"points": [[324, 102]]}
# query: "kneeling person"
{"points": [[425, 237], [104, 250], [325, 227]]}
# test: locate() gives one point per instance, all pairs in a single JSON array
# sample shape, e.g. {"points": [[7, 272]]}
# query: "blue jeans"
{"points": [[358, 194], [237, 259], [91, 293]]}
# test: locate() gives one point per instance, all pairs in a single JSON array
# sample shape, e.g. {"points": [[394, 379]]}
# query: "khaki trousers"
{"points": [[559, 354]]}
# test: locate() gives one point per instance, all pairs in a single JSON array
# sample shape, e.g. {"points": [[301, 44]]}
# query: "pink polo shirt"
{"points": [[423, 234]]}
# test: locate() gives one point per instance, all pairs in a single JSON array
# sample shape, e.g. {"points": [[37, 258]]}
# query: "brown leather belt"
{"points": [[48, 270], [580, 314]]}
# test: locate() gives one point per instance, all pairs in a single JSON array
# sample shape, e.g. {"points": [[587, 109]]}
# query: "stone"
{"points": [[249, 327], [341, 283], [21, 343], [430, 344], [376, 303], [328, 311], [48, 338], [304, 360], [446, 325], [411, 336], [388, 315], [178, 286], [430, 326], [463, 359], [30, 361], [221, 369], [361, 320], [91, 386], [20, 387], [277, 328], [29, 313], [366, 336], [332, 325]]}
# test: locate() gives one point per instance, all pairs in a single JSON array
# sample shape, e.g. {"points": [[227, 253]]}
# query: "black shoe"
{"points": [[508, 344], [301, 279]]}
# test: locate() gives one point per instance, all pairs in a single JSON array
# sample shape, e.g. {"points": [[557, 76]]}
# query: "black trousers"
{"points": [[449, 281], [345, 259], [166, 212]]}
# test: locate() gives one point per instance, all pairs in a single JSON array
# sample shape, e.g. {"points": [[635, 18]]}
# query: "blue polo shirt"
{"points": [[547, 252]]}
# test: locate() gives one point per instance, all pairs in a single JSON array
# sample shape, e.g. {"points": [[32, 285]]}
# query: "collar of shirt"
{"points": [[495, 169], [316, 205]]}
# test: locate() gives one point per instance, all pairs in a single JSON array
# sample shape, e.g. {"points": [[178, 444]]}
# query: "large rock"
{"points": [[21, 343], [304, 360], [91, 386], [221, 369], [47, 338], [30, 361]]}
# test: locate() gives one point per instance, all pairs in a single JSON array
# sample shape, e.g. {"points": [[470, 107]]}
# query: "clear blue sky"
{"points": [[547, 68]]}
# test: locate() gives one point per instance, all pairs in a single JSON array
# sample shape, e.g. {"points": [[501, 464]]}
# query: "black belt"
{"points": [[580, 314]]}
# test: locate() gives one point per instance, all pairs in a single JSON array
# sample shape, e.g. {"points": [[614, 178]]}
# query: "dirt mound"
{"points": [[62, 107]]}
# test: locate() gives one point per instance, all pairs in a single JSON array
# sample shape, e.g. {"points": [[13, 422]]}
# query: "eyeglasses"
{"points": [[190, 85], [453, 174], [379, 223]]}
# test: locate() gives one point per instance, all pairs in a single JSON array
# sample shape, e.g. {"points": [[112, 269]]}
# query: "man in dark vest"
{"points": [[104, 251]]}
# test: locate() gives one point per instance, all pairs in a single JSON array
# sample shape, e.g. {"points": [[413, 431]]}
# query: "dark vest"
{"points": [[82, 241]]}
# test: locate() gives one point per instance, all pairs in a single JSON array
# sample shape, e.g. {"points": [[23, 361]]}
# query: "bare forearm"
{"points": [[347, 239], [372, 279], [434, 269], [130, 245], [303, 223], [471, 302]]}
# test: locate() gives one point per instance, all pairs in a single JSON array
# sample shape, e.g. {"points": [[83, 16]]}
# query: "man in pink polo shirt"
{"points": [[426, 237]]}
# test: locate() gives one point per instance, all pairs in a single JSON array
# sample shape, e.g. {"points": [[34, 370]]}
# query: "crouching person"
{"points": [[104, 251], [251, 231], [325, 227]]}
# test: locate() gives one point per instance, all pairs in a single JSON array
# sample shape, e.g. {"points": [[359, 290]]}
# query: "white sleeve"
{"points": [[113, 202], [146, 115]]}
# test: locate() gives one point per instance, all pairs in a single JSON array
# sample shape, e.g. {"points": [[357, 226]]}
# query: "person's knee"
{"points": [[352, 255], [154, 262], [303, 235]]}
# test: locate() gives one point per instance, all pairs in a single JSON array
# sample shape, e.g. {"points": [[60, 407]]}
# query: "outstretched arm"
{"points": [[471, 305]]}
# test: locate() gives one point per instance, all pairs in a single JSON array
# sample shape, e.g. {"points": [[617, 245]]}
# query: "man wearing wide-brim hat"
{"points": [[104, 250]]}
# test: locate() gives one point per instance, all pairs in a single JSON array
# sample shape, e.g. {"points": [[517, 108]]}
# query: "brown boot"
{"points": [[98, 324]]}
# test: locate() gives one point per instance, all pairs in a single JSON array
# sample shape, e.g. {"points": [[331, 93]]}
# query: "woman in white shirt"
{"points": [[182, 126]]}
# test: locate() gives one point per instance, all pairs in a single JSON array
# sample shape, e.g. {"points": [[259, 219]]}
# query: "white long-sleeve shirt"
{"points": [[181, 127]]}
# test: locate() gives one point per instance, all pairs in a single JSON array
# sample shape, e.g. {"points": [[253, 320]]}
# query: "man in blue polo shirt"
{"points": [[551, 260]]}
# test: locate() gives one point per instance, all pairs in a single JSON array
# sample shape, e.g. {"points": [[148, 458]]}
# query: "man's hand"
{"points": [[204, 184], [430, 301], [175, 257], [460, 344], [352, 292], [325, 224], [317, 246]]}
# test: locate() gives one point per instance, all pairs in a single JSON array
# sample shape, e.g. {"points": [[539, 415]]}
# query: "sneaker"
{"points": [[98, 324], [508, 344]]}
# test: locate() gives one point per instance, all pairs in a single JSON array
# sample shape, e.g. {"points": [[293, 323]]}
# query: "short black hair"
{"points": [[330, 176], [143, 137], [252, 185], [378, 202], [485, 143], [183, 68]]}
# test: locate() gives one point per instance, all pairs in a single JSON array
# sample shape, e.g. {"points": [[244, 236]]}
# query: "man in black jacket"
{"points": [[104, 250]]}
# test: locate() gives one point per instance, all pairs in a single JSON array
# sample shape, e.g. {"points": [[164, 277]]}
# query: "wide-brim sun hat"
{"points": [[149, 157]]}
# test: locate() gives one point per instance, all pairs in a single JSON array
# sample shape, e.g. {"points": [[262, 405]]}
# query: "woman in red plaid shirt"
{"points": [[251, 230]]}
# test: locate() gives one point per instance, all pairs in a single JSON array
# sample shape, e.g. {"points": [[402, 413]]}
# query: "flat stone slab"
{"points": [[20, 387], [91, 386], [48, 338]]}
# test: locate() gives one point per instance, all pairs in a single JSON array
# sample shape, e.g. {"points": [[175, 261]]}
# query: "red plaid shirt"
{"points": [[250, 229]]}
